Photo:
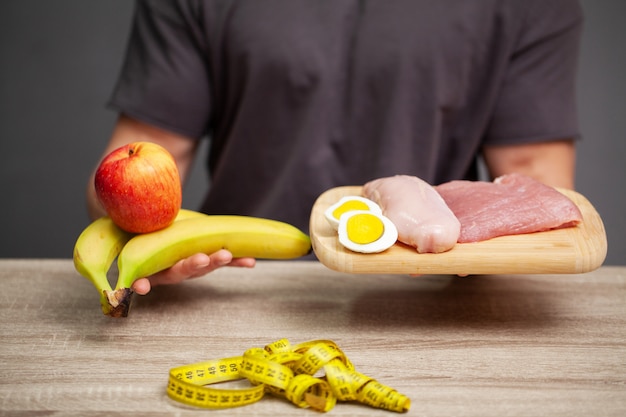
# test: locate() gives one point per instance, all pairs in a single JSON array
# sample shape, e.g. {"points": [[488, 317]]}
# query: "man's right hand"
{"points": [[193, 267]]}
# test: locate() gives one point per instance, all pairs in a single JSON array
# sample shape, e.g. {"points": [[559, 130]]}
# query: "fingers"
{"points": [[141, 286], [195, 266], [191, 267]]}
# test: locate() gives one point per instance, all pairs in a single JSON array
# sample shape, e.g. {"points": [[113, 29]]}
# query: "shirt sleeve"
{"points": [[537, 98], [164, 79]]}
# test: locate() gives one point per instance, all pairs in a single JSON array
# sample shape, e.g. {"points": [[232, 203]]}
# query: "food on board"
{"points": [[349, 203], [366, 231], [510, 205], [421, 216]]}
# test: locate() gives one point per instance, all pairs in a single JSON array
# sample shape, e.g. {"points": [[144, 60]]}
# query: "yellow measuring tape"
{"points": [[314, 374]]}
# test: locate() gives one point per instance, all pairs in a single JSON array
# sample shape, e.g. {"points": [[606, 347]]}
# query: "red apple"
{"points": [[139, 187]]}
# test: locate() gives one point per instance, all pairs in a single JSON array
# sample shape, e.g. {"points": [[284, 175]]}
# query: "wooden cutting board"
{"points": [[564, 251]]}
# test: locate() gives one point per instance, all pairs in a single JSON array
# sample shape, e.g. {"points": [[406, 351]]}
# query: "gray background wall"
{"points": [[59, 62]]}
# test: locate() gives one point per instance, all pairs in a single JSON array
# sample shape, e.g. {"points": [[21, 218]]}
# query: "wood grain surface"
{"points": [[494, 345], [564, 251]]}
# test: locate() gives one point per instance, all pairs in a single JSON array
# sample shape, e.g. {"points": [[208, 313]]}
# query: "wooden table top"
{"points": [[531, 345]]}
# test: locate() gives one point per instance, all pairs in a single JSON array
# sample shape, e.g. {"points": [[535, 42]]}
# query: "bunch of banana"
{"points": [[142, 255]]}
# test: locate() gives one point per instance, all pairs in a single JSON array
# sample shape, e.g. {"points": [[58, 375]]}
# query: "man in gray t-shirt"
{"points": [[299, 96]]}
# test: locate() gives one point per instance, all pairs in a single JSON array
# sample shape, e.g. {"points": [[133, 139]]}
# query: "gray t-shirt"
{"points": [[299, 96]]}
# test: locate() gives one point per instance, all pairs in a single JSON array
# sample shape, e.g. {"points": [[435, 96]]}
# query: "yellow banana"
{"points": [[95, 250], [243, 236], [97, 247]]}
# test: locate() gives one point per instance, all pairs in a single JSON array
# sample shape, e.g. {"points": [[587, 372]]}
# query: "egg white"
{"points": [[387, 240], [334, 222]]}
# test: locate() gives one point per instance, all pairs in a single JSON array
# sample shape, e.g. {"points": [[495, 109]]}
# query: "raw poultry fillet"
{"points": [[512, 204], [422, 218]]}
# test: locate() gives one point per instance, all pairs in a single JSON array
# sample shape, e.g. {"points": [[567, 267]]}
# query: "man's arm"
{"points": [[552, 163]]}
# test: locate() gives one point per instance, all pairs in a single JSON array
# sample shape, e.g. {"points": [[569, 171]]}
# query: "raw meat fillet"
{"points": [[422, 218], [512, 204]]}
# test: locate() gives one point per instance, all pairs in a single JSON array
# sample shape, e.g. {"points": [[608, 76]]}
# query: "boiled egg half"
{"points": [[366, 231], [349, 203]]}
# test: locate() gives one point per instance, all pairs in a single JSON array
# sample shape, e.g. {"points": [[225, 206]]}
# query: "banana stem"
{"points": [[117, 303]]}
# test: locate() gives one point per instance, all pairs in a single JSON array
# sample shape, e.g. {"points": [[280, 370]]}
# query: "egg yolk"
{"points": [[349, 206], [364, 228]]}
